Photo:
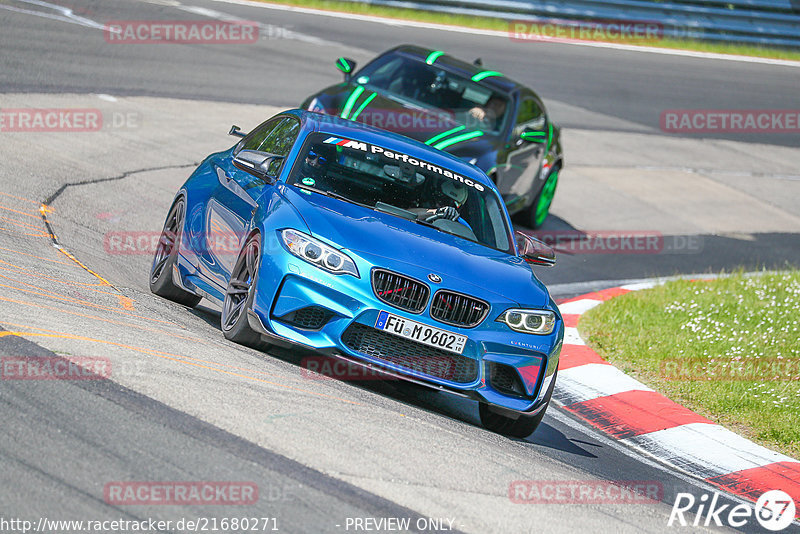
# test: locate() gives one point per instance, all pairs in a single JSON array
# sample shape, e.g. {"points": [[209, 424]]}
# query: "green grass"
{"points": [[723, 327], [488, 23]]}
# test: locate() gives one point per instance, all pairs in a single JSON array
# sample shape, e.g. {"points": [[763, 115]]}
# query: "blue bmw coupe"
{"points": [[373, 248]]}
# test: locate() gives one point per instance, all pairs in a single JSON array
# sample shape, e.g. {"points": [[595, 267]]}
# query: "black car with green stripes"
{"points": [[477, 114]]}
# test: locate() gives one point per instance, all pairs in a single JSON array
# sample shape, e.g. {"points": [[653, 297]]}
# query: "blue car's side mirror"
{"points": [[259, 164], [534, 251]]}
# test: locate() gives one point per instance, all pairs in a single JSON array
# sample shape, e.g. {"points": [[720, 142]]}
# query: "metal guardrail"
{"points": [[760, 22]]}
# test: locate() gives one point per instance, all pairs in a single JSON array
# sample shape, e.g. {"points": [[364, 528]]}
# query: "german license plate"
{"points": [[422, 333]]}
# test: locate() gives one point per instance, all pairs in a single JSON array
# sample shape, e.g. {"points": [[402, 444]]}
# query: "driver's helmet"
{"points": [[315, 162], [456, 191]]}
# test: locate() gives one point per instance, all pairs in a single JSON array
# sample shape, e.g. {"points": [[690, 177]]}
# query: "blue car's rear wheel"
{"points": [[166, 255], [522, 427], [239, 296]]}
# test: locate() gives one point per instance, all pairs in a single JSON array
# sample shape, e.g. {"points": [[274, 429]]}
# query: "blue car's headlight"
{"points": [[318, 253], [539, 322]]}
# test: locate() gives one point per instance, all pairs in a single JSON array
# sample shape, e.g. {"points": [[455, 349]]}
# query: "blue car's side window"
{"points": [[281, 139], [275, 136]]}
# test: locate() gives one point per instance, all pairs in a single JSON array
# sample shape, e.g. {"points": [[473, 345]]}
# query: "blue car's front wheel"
{"points": [[239, 296], [166, 255]]}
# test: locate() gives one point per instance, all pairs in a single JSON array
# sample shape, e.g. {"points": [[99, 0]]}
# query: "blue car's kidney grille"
{"points": [[409, 354], [400, 291], [457, 309]]}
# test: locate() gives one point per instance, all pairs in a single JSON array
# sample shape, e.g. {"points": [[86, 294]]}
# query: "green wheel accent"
{"points": [[457, 139], [362, 106], [433, 56], [545, 199], [351, 101], [485, 74]]}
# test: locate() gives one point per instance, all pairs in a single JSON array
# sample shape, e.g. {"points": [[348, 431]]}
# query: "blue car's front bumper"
{"points": [[350, 310]]}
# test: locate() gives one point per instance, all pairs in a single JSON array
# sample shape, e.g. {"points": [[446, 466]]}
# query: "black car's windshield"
{"points": [[430, 86], [401, 185]]}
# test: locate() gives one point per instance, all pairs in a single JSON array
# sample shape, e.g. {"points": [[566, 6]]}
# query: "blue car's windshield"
{"points": [[401, 185], [430, 86]]}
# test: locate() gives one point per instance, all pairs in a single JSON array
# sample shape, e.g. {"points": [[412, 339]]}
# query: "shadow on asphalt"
{"points": [[418, 396], [552, 438]]}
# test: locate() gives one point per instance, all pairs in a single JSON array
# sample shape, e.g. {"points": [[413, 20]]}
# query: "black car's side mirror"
{"points": [[236, 131], [347, 66], [532, 135], [259, 164], [534, 251]]}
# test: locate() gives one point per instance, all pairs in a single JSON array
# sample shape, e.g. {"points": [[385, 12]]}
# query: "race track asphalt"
{"points": [[184, 404]]}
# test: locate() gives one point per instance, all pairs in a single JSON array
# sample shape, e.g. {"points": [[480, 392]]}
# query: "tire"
{"points": [[537, 213], [166, 255], [522, 427], [239, 296]]}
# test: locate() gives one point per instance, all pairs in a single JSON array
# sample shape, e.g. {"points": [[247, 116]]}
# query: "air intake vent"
{"points": [[400, 291], [410, 355], [505, 379], [308, 318], [457, 309]]}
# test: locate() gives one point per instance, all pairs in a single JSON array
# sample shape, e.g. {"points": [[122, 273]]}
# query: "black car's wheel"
{"points": [[535, 215], [515, 428], [165, 257], [239, 296]]}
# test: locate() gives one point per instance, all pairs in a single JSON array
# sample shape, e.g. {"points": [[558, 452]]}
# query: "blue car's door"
{"points": [[231, 207]]}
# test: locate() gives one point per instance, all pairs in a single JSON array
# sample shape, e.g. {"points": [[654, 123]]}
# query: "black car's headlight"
{"points": [[318, 253], [539, 322]]}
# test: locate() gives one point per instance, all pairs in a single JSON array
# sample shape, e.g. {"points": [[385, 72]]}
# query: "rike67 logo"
{"points": [[774, 510]]}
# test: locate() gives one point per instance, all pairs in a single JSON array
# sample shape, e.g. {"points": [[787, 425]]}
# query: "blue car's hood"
{"points": [[388, 241]]}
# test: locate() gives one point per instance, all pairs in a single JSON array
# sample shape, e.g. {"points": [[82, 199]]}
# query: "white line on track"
{"points": [[579, 306], [707, 448], [270, 29], [571, 336], [639, 455], [592, 381], [66, 14], [496, 33]]}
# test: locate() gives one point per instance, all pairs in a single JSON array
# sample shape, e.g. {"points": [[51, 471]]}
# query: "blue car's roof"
{"points": [[316, 122]]}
